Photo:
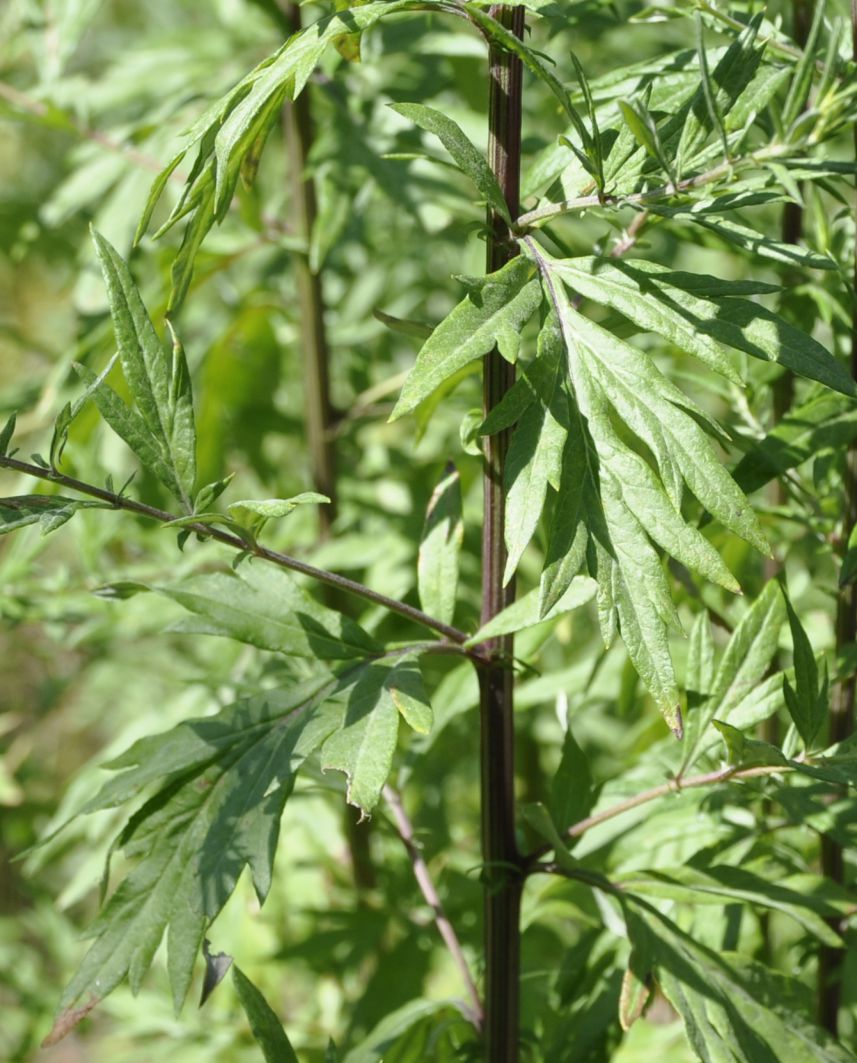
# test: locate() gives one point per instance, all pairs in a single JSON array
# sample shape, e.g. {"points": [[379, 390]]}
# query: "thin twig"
{"points": [[37, 107], [672, 786], [724, 169], [427, 887], [331, 579]]}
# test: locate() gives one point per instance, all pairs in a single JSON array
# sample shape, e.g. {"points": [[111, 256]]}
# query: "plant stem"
{"points": [[673, 786], [830, 960], [502, 876], [330, 579], [319, 418], [427, 887], [41, 110], [723, 170], [298, 130]]}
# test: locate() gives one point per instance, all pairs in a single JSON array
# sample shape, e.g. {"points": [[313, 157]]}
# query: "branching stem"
{"points": [[331, 579]]}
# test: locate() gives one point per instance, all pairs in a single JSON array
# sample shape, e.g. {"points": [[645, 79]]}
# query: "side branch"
{"points": [[331, 579], [673, 786], [651, 195], [424, 880]]}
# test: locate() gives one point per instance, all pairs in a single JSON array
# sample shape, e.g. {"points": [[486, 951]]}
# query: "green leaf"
{"points": [[699, 680], [440, 546], [747, 752], [734, 1009], [647, 294], [745, 662], [254, 513], [622, 376], [708, 88], [363, 747], [823, 420], [470, 161], [806, 707], [504, 301], [748, 239], [642, 125], [612, 380], [159, 384], [539, 818], [596, 147], [228, 134], [525, 611], [129, 425], [534, 457], [266, 608], [266, 1027], [50, 511], [221, 784], [380, 1043], [848, 570], [419, 329], [568, 533], [572, 792], [409, 695], [720, 884], [717, 94], [801, 79]]}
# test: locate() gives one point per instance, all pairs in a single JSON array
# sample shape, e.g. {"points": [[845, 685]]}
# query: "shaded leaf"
{"points": [[363, 747], [267, 1029], [50, 511], [572, 792], [806, 706], [222, 782], [733, 1009]]}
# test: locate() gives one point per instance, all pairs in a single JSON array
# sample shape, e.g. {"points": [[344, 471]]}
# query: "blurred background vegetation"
{"points": [[93, 94]]}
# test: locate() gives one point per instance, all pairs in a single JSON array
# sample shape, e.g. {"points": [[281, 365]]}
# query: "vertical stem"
{"points": [[843, 696], [298, 128], [315, 351], [502, 874], [784, 386]]}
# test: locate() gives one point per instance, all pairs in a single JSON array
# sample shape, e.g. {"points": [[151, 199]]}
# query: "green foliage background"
{"points": [[93, 96]]}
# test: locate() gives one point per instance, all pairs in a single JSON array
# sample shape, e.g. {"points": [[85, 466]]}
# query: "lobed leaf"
{"points": [[222, 784], [363, 747], [159, 384], [266, 608], [647, 294], [498, 304]]}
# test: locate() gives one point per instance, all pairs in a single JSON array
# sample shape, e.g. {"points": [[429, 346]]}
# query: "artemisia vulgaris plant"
{"points": [[621, 452]]}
